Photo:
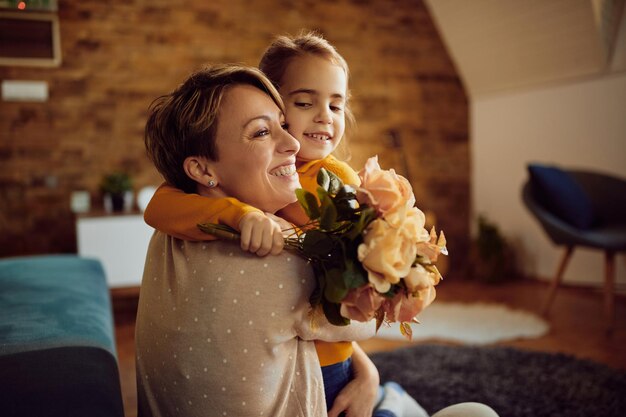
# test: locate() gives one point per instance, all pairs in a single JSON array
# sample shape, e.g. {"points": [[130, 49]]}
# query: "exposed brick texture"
{"points": [[118, 56]]}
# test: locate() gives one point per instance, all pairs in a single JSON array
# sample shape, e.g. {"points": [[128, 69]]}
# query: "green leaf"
{"points": [[323, 179], [335, 290], [367, 215], [347, 192], [316, 243], [352, 276], [309, 203], [328, 216], [322, 194], [333, 315], [335, 183], [346, 203]]}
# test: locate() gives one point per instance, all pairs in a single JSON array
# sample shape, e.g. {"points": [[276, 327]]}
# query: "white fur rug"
{"points": [[472, 324]]}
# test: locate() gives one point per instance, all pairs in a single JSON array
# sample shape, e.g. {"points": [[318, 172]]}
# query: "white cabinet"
{"points": [[119, 241]]}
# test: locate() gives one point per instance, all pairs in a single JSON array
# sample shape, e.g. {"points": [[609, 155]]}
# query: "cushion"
{"points": [[559, 192], [52, 301], [57, 346]]}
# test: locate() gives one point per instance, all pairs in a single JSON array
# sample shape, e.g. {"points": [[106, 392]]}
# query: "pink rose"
{"points": [[404, 307], [361, 303], [383, 190]]}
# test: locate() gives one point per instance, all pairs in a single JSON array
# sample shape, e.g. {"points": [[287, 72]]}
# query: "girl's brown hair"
{"points": [[283, 49], [184, 122]]}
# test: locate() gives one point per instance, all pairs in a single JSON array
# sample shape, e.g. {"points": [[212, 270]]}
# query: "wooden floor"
{"points": [[577, 325]]}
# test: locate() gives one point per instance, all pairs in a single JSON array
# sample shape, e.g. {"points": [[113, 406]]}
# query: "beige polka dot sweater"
{"points": [[224, 333]]}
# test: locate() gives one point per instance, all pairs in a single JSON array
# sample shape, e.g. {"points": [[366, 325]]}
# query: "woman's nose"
{"points": [[287, 143]]}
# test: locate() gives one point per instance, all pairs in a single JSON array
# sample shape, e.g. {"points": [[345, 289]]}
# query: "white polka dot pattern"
{"points": [[215, 335]]}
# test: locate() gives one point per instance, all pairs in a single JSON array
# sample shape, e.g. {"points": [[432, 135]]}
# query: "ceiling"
{"points": [[503, 45]]}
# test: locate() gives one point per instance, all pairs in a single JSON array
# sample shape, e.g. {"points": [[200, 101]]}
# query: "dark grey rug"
{"points": [[514, 382]]}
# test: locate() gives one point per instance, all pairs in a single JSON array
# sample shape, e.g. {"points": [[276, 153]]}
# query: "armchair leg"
{"points": [[557, 280], [609, 284]]}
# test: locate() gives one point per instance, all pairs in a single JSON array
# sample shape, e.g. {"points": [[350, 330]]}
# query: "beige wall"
{"points": [[579, 125], [546, 83]]}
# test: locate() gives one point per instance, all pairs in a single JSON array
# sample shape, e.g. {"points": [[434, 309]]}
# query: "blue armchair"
{"points": [[579, 208]]}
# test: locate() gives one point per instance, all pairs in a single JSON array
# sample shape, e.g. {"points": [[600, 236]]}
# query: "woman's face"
{"points": [[314, 91], [257, 155]]}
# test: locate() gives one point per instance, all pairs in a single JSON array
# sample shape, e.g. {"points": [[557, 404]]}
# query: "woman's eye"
{"points": [[302, 104], [261, 133], [285, 126]]}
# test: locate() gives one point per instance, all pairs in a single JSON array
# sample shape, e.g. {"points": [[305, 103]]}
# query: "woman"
{"points": [[219, 331]]}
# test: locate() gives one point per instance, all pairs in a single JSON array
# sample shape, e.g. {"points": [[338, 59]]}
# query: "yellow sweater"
{"points": [[177, 213]]}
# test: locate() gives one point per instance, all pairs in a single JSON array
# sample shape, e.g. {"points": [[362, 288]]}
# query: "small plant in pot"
{"points": [[115, 186], [492, 259]]}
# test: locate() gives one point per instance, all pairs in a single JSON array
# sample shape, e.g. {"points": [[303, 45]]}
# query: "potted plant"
{"points": [[115, 186], [492, 258]]}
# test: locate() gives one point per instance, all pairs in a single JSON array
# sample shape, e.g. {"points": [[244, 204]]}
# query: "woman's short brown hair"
{"points": [[184, 122], [283, 49]]}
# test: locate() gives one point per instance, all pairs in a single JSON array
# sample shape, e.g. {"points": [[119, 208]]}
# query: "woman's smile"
{"points": [[284, 170]]}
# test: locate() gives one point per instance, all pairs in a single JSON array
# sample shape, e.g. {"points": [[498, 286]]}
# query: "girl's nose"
{"points": [[324, 116]]}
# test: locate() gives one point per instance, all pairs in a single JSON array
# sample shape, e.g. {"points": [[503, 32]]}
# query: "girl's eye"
{"points": [[302, 104], [336, 108], [261, 133]]}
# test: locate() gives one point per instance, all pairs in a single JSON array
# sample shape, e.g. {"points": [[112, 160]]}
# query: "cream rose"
{"points": [[420, 278], [383, 190], [387, 253], [411, 220]]}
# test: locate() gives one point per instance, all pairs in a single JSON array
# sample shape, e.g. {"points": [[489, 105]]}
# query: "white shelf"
{"points": [[120, 242]]}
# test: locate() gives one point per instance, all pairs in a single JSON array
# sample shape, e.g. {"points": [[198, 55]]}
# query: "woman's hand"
{"points": [[358, 398], [261, 234]]}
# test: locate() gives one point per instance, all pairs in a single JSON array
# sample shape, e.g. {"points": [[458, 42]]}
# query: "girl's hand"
{"points": [[358, 398], [261, 234], [286, 227]]}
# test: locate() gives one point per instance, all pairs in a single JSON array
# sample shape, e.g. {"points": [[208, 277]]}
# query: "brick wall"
{"points": [[118, 56]]}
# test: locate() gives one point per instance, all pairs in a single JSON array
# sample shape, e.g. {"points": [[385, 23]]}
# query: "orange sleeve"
{"points": [[330, 353], [177, 213], [342, 170]]}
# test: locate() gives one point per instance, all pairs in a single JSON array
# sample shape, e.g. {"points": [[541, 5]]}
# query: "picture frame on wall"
{"points": [[29, 39]]}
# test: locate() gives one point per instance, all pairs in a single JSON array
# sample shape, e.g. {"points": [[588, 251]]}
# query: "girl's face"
{"points": [[314, 91], [257, 155]]}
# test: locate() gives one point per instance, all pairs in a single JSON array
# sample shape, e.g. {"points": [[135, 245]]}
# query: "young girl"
{"points": [[312, 79]]}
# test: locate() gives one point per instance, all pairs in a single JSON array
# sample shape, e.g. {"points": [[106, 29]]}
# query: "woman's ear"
{"points": [[200, 170]]}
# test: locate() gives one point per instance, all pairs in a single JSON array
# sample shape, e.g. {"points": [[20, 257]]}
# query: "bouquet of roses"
{"points": [[370, 253]]}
